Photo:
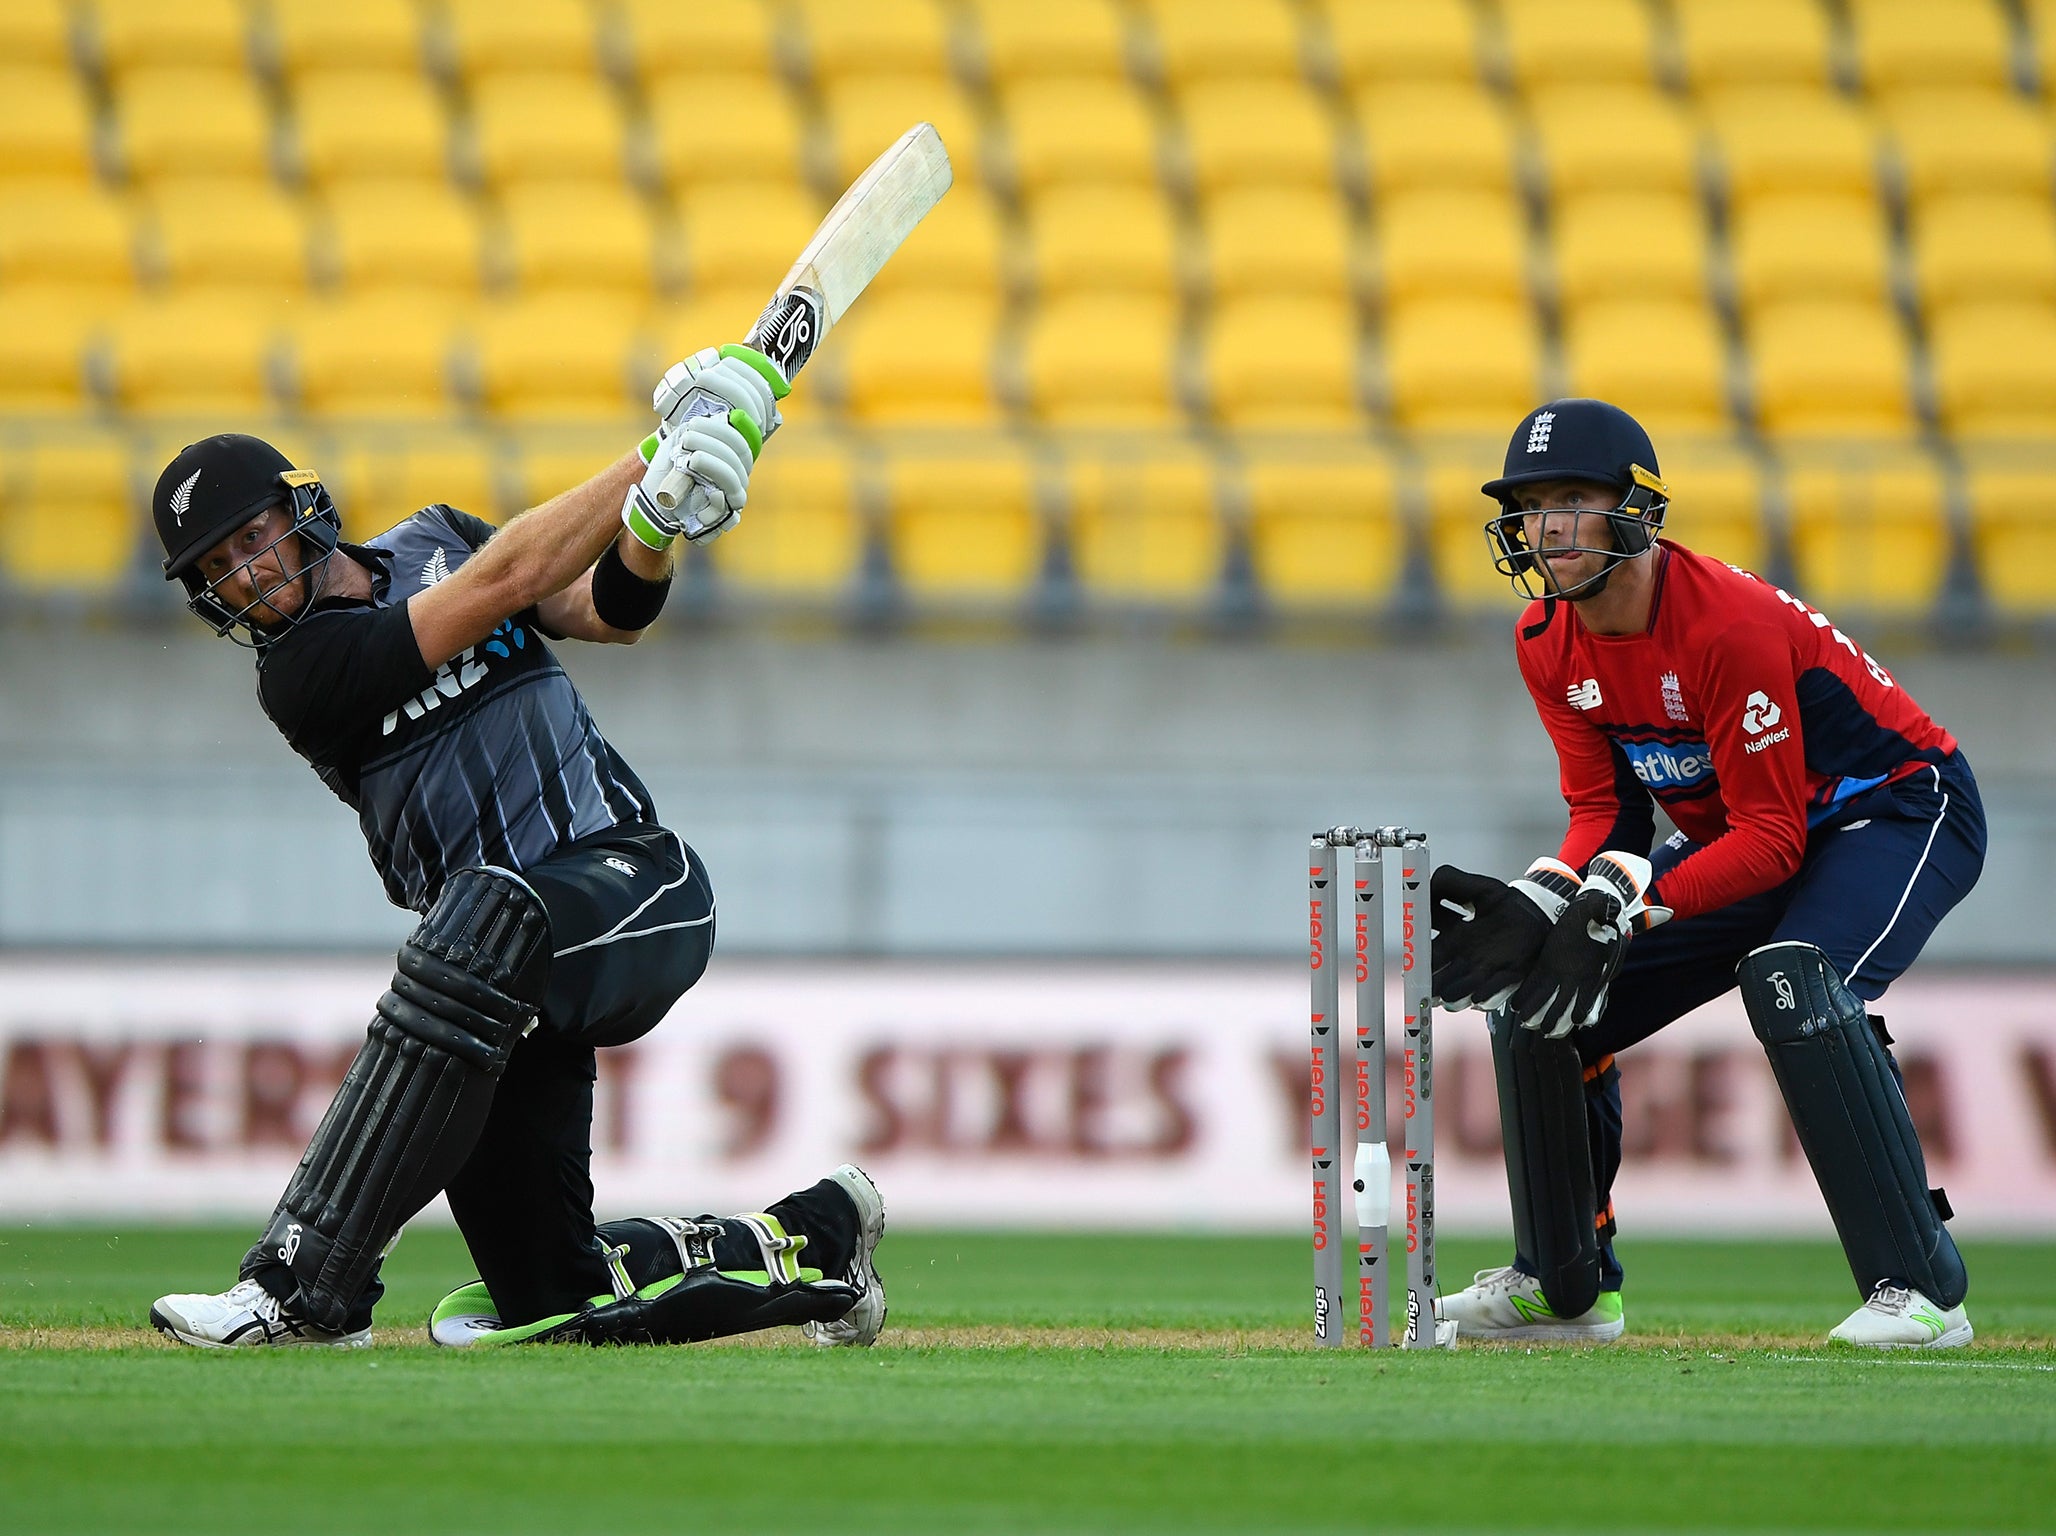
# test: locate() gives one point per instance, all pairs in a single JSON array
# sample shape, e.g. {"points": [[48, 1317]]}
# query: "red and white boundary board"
{"points": [[1161, 1095]]}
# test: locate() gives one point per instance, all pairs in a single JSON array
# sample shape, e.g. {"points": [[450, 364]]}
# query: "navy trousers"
{"points": [[1878, 875]]}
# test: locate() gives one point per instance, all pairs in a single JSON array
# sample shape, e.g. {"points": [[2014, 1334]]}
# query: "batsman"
{"points": [[558, 915], [1824, 825]]}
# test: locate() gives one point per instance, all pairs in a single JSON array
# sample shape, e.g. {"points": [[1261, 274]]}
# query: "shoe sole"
{"points": [[1543, 1333], [178, 1335], [1955, 1338]]}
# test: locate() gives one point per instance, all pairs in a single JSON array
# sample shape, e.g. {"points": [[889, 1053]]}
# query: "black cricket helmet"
{"points": [[1577, 440], [213, 488]]}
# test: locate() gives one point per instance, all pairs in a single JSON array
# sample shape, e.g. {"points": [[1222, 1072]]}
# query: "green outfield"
{"points": [[1031, 1384]]}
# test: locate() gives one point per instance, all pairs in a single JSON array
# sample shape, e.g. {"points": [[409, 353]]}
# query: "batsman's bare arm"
{"points": [[541, 559]]}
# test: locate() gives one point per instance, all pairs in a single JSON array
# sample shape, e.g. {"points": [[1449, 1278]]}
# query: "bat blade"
{"points": [[867, 224]]}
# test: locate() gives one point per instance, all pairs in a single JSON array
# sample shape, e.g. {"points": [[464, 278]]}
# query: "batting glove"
{"points": [[1488, 932]]}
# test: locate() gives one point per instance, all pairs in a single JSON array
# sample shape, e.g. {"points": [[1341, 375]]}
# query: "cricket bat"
{"points": [[867, 224]]}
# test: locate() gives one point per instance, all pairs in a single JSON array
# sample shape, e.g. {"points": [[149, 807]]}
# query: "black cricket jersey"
{"points": [[491, 758]]}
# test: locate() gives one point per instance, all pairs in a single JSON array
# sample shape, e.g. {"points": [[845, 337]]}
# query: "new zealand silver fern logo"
{"points": [[182, 498]]}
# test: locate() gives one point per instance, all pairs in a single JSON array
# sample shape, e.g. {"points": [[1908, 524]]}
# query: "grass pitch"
{"points": [[1031, 1383]]}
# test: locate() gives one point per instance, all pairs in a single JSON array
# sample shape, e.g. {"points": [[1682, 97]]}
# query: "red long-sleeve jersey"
{"points": [[1742, 711]]}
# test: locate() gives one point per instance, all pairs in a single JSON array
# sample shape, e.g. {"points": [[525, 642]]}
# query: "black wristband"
{"points": [[622, 599]]}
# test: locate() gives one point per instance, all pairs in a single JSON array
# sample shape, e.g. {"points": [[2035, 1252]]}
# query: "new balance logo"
{"points": [[1539, 430], [437, 569], [182, 498], [1584, 695]]}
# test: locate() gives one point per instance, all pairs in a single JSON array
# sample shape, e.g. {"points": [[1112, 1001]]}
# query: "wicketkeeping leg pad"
{"points": [[1852, 1120], [469, 982], [1548, 1162]]}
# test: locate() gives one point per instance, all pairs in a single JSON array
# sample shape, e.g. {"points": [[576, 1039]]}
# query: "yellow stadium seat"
{"points": [[741, 128], [1242, 353], [1263, 133], [911, 356], [1078, 130], [193, 122], [551, 461], [203, 34], [893, 37], [802, 535], [564, 354], [1717, 503], [1951, 142], [1565, 41], [68, 514], [1995, 368], [383, 354], [1800, 247], [1630, 245], [1198, 39], [1984, 248], [1144, 526], [402, 233], [1461, 364], [960, 247], [1403, 40], [534, 126], [866, 114], [1101, 360], [201, 353], [1725, 43], [1931, 42], [487, 37], [1869, 528], [385, 478], [365, 34], [1792, 140], [217, 231], [45, 334], [1051, 37], [2012, 498], [1453, 469], [46, 125], [1288, 240], [369, 122], [1435, 136], [2041, 27], [1439, 243], [738, 235], [64, 232], [962, 522], [721, 42], [1829, 367], [1614, 139], [1102, 237], [1661, 360], [578, 235], [1324, 529], [36, 32]]}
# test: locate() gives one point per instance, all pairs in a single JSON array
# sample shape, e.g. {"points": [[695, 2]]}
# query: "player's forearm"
{"points": [[544, 550]]}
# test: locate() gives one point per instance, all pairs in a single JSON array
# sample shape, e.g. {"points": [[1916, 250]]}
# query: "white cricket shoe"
{"points": [[1506, 1304], [859, 1326], [244, 1316], [1898, 1318]]}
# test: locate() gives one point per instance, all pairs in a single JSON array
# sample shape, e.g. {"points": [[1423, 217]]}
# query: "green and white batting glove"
{"points": [[713, 407]]}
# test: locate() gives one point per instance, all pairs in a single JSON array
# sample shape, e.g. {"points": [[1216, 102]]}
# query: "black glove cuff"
{"points": [[622, 599]]}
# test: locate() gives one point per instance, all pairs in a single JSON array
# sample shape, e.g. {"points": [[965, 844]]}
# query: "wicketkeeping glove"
{"points": [[1487, 932], [1566, 989]]}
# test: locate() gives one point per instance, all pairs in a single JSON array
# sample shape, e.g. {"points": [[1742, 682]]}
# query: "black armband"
{"points": [[622, 599]]}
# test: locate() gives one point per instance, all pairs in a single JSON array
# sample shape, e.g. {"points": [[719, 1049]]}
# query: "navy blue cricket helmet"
{"points": [[1577, 440]]}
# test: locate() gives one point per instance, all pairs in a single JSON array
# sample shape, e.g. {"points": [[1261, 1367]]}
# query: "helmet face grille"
{"points": [[314, 523], [1628, 530]]}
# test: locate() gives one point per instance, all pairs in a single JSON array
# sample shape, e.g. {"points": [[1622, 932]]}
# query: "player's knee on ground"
{"points": [[469, 980], [1841, 1088]]}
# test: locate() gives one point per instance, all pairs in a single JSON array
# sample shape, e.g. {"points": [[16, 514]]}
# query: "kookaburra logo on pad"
{"points": [[1779, 980], [182, 498]]}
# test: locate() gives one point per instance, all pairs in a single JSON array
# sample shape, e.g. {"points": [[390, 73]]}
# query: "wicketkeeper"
{"points": [[558, 915], [1824, 826]]}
